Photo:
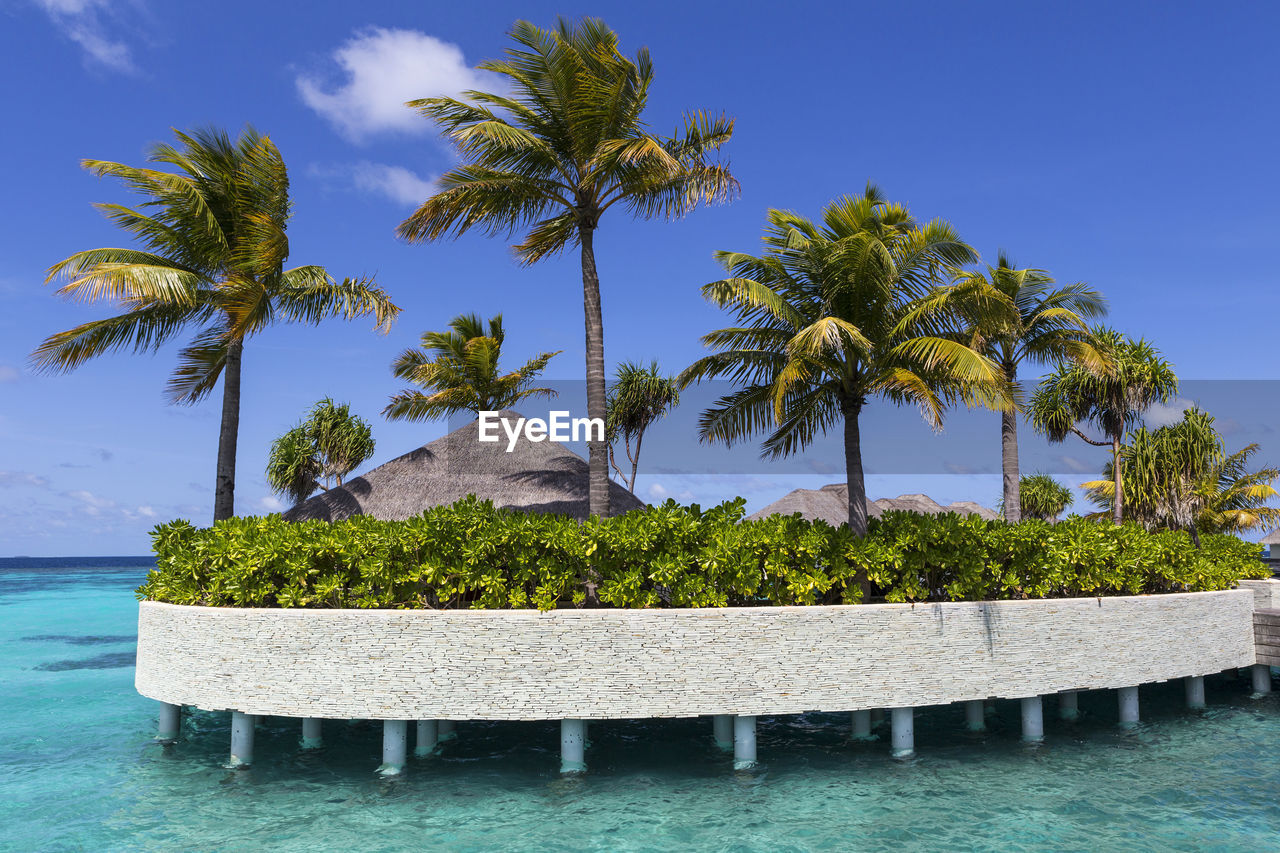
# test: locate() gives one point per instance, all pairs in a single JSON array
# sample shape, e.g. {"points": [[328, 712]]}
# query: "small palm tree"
{"points": [[1019, 315], [1111, 399], [829, 319], [459, 369], [214, 240], [549, 158], [638, 398], [329, 444], [1042, 497]]}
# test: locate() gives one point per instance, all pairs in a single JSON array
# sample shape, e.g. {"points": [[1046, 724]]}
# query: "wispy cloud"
{"points": [[1166, 414], [22, 478], [382, 69], [9, 373], [400, 185], [271, 504], [85, 23]]}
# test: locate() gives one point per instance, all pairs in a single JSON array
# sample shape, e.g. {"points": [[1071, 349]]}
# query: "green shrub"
{"points": [[472, 555]]}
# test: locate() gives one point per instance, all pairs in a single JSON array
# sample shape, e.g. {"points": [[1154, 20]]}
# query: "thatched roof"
{"points": [[831, 504], [534, 476], [1272, 538]]}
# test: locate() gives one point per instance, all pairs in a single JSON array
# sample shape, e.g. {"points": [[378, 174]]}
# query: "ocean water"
{"points": [[79, 769]]}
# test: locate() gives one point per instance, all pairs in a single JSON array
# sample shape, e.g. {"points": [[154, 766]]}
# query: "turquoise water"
{"points": [[79, 771]]}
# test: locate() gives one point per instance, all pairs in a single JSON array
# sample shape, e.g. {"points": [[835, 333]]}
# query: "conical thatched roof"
{"points": [[831, 504], [534, 476], [1272, 538]]}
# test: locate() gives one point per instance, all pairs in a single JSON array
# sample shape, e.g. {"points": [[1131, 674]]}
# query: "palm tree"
{"points": [[329, 444], [638, 397], [1015, 316], [1042, 497], [460, 369], [1135, 378], [551, 157], [214, 242], [1181, 477], [829, 319]]}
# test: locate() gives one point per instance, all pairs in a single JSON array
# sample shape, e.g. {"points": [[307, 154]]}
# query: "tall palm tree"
{"points": [[1135, 378], [1015, 316], [638, 397], [551, 157], [213, 232], [828, 320], [460, 370]]}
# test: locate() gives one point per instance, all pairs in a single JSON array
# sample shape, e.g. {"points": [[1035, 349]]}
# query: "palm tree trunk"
{"points": [[1009, 466], [1118, 476], [857, 486], [224, 498], [597, 451]]}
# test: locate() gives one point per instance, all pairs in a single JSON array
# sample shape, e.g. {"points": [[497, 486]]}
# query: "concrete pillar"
{"points": [[877, 717], [572, 746], [1261, 679], [446, 730], [427, 736], [170, 723], [1195, 691], [241, 739], [395, 746], [312, 733], [1032, 719], [862, 725], [1069, 705], [904, 732], [975, 717], [1128, 705], [989, 708], [744, 742], [722, 730]]}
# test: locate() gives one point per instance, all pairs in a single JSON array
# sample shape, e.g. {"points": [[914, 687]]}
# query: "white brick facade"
{"points": [[602, 664]]}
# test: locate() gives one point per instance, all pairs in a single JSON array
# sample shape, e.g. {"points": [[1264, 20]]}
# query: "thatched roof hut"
{"points": [[534, 477], [831, 504], [1272, 538]]}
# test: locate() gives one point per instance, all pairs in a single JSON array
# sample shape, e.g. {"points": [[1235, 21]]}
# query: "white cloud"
{"points": [[271, 504], [82, 22], [384, 68], [8, 373], [659, 493], [401, 185], [22, 478], [1166, 414], [146, 512], [91, 504]]}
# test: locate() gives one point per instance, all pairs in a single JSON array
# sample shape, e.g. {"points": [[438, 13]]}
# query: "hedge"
{"points": [[473, 555]]}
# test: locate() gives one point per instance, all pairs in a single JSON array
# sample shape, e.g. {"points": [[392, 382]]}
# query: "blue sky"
{"points": [[1129, 145]]}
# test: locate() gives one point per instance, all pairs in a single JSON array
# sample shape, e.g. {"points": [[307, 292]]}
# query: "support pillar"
{"points": [[427, 736], [975, 716], [312, 733], [572, 746], [877, 717], [1195, 691], [904, 732], [744, 742], [862, 725], [722, 730], [241, 739], [395, 746], [1069, 705], [446, 730], [1261, 679], [170, 723], [1128, 705], [1032, 719]]}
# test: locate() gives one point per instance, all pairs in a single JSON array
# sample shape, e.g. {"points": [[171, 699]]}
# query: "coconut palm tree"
{"points": [[214, 247], [549, 157], [1075, 394], [460, 370], [328, 445], [828, 320], [1019, 315], [638, 398], [1181, 477]]}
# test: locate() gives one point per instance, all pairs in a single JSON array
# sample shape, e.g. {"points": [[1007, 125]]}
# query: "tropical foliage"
{"points": [[1043, 498], [471, 555], [1180, 477], [329, 444], [830, 317], [1015, 315], [212, 260], [1110, 398], [638, 397], [546, 158], [459, 371]]}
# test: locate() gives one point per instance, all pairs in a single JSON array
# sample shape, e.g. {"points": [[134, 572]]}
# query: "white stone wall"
{"points": [[602, 664], [1266, 593]]}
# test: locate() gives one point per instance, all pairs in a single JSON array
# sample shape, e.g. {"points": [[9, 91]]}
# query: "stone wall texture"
{"points": [[609, 664]]}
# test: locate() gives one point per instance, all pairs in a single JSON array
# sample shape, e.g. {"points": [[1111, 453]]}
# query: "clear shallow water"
{"points": [[79, 771]]}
